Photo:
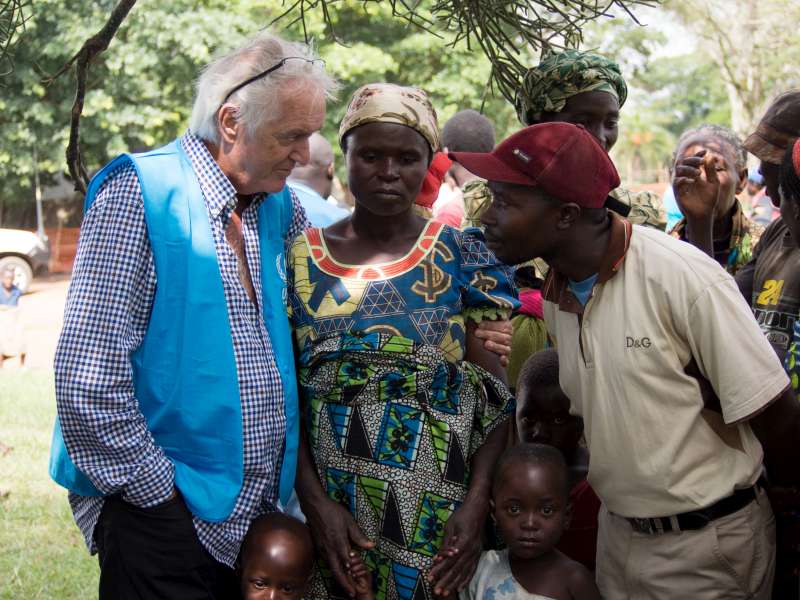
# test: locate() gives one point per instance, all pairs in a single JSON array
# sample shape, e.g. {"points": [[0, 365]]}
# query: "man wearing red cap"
{"points": [[649, 333]]}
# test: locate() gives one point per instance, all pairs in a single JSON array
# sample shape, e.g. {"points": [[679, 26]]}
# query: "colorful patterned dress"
{"points": [[393, 412], [745, 234]]}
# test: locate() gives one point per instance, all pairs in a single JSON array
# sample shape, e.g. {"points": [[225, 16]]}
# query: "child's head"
{"points": [[277, 557], [724, 145], [542, 408], [530, 499]]}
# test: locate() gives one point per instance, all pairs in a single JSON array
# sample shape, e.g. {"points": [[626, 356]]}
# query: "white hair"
{"points": [[257, 101]]}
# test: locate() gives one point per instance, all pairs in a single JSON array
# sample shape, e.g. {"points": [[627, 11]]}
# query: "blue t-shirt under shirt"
{"points": [[583, 289]]}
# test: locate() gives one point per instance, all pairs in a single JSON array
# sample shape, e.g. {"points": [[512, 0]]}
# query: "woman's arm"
{"points": [[461, 548], [477, 353], [332, 527]]}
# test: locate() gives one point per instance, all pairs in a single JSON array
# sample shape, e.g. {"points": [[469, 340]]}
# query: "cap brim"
{"points": [[490, 168], [764, 150]]}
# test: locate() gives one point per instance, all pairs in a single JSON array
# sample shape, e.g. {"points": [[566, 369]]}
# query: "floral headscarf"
{"points": [[390, 103], [559, 76]]}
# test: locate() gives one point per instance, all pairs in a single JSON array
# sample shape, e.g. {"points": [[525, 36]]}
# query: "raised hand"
{"points": [[697, 191], [696, 185]]}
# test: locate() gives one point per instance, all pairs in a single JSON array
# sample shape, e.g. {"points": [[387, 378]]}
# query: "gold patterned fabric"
{"points": [[477, 198], [390, 103], [646, 207]]}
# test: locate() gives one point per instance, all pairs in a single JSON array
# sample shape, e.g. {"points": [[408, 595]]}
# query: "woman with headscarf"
{"points": [[586, 89], [405, 411]]}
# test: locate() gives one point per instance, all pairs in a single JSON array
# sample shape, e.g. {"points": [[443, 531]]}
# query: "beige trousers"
{"points": [[731, 558]]}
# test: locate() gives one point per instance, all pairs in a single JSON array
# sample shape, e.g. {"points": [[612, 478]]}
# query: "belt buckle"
{"points": [[642, 525]]}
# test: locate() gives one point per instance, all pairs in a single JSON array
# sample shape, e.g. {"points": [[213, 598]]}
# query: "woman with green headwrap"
{"points": [[404, 410], [585, 89]]}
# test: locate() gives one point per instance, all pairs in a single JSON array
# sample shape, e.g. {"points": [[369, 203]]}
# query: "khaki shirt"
{"points": [[659, 305]]}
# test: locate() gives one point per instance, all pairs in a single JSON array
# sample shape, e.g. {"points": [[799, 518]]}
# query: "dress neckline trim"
{"points": [[325, 261]]}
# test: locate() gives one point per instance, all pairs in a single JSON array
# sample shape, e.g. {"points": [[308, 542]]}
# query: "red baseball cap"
{"points": [[561, 158]]}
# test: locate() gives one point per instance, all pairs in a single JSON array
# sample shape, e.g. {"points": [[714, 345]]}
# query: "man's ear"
{"points": [[568, 214], [329, 171], [740, 185], [795, 207], [227, 123], [568, 515]]}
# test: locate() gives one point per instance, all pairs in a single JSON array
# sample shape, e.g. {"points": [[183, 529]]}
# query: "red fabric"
{"points": [[565, 160], [450, 213], [433, 180], [579, 542], [532, 304]]}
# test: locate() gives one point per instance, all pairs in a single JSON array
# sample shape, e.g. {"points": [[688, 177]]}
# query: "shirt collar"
{"points": [[218, 191], [556, 286]]}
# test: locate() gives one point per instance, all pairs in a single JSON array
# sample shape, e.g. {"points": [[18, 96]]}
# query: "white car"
{"points": [[26, 253]]}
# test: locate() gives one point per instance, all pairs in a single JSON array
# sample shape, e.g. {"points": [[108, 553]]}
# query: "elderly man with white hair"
{"points": [[175, 383]]}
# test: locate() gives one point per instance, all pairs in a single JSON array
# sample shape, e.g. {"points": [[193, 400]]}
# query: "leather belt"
{"points": [[696, 519]]}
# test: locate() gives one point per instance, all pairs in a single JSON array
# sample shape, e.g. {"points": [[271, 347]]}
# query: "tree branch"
{"points": [[13, 16], [505, 30], [91, 48]]}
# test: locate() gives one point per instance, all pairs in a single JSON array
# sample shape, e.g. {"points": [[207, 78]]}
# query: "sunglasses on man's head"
{"points": [[266, 72]]}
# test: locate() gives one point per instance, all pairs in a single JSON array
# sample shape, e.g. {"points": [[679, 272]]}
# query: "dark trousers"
{"points": [[153, 553]]}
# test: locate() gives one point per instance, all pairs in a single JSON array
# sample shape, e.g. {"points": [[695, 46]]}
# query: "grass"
{"points": [[42, 554]]}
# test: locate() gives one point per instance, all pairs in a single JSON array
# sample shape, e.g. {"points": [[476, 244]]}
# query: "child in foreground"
{"points": [[543, 418], [277, 559], [530, 505]]}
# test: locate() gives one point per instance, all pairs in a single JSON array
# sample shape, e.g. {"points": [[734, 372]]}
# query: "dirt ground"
{"points": [[42, 316]]}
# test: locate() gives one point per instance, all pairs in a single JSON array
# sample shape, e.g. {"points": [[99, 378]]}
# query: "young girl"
{"points": [[530, 505], [543, 418]]}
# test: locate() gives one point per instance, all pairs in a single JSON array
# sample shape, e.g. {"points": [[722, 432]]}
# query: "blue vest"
{"points": [[184, 372]]}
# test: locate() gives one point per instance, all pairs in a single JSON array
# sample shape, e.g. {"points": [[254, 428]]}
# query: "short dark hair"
{"points": [[788, 178], [721, 133], [272, 523], [541, 369], [531, 454], [468, 131]]}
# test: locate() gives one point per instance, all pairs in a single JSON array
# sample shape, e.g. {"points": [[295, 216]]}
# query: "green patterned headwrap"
{"points": [[547, 86]]}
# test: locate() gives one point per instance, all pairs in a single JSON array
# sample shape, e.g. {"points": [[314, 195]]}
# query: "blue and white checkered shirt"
{"points": [[106, 316]]}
